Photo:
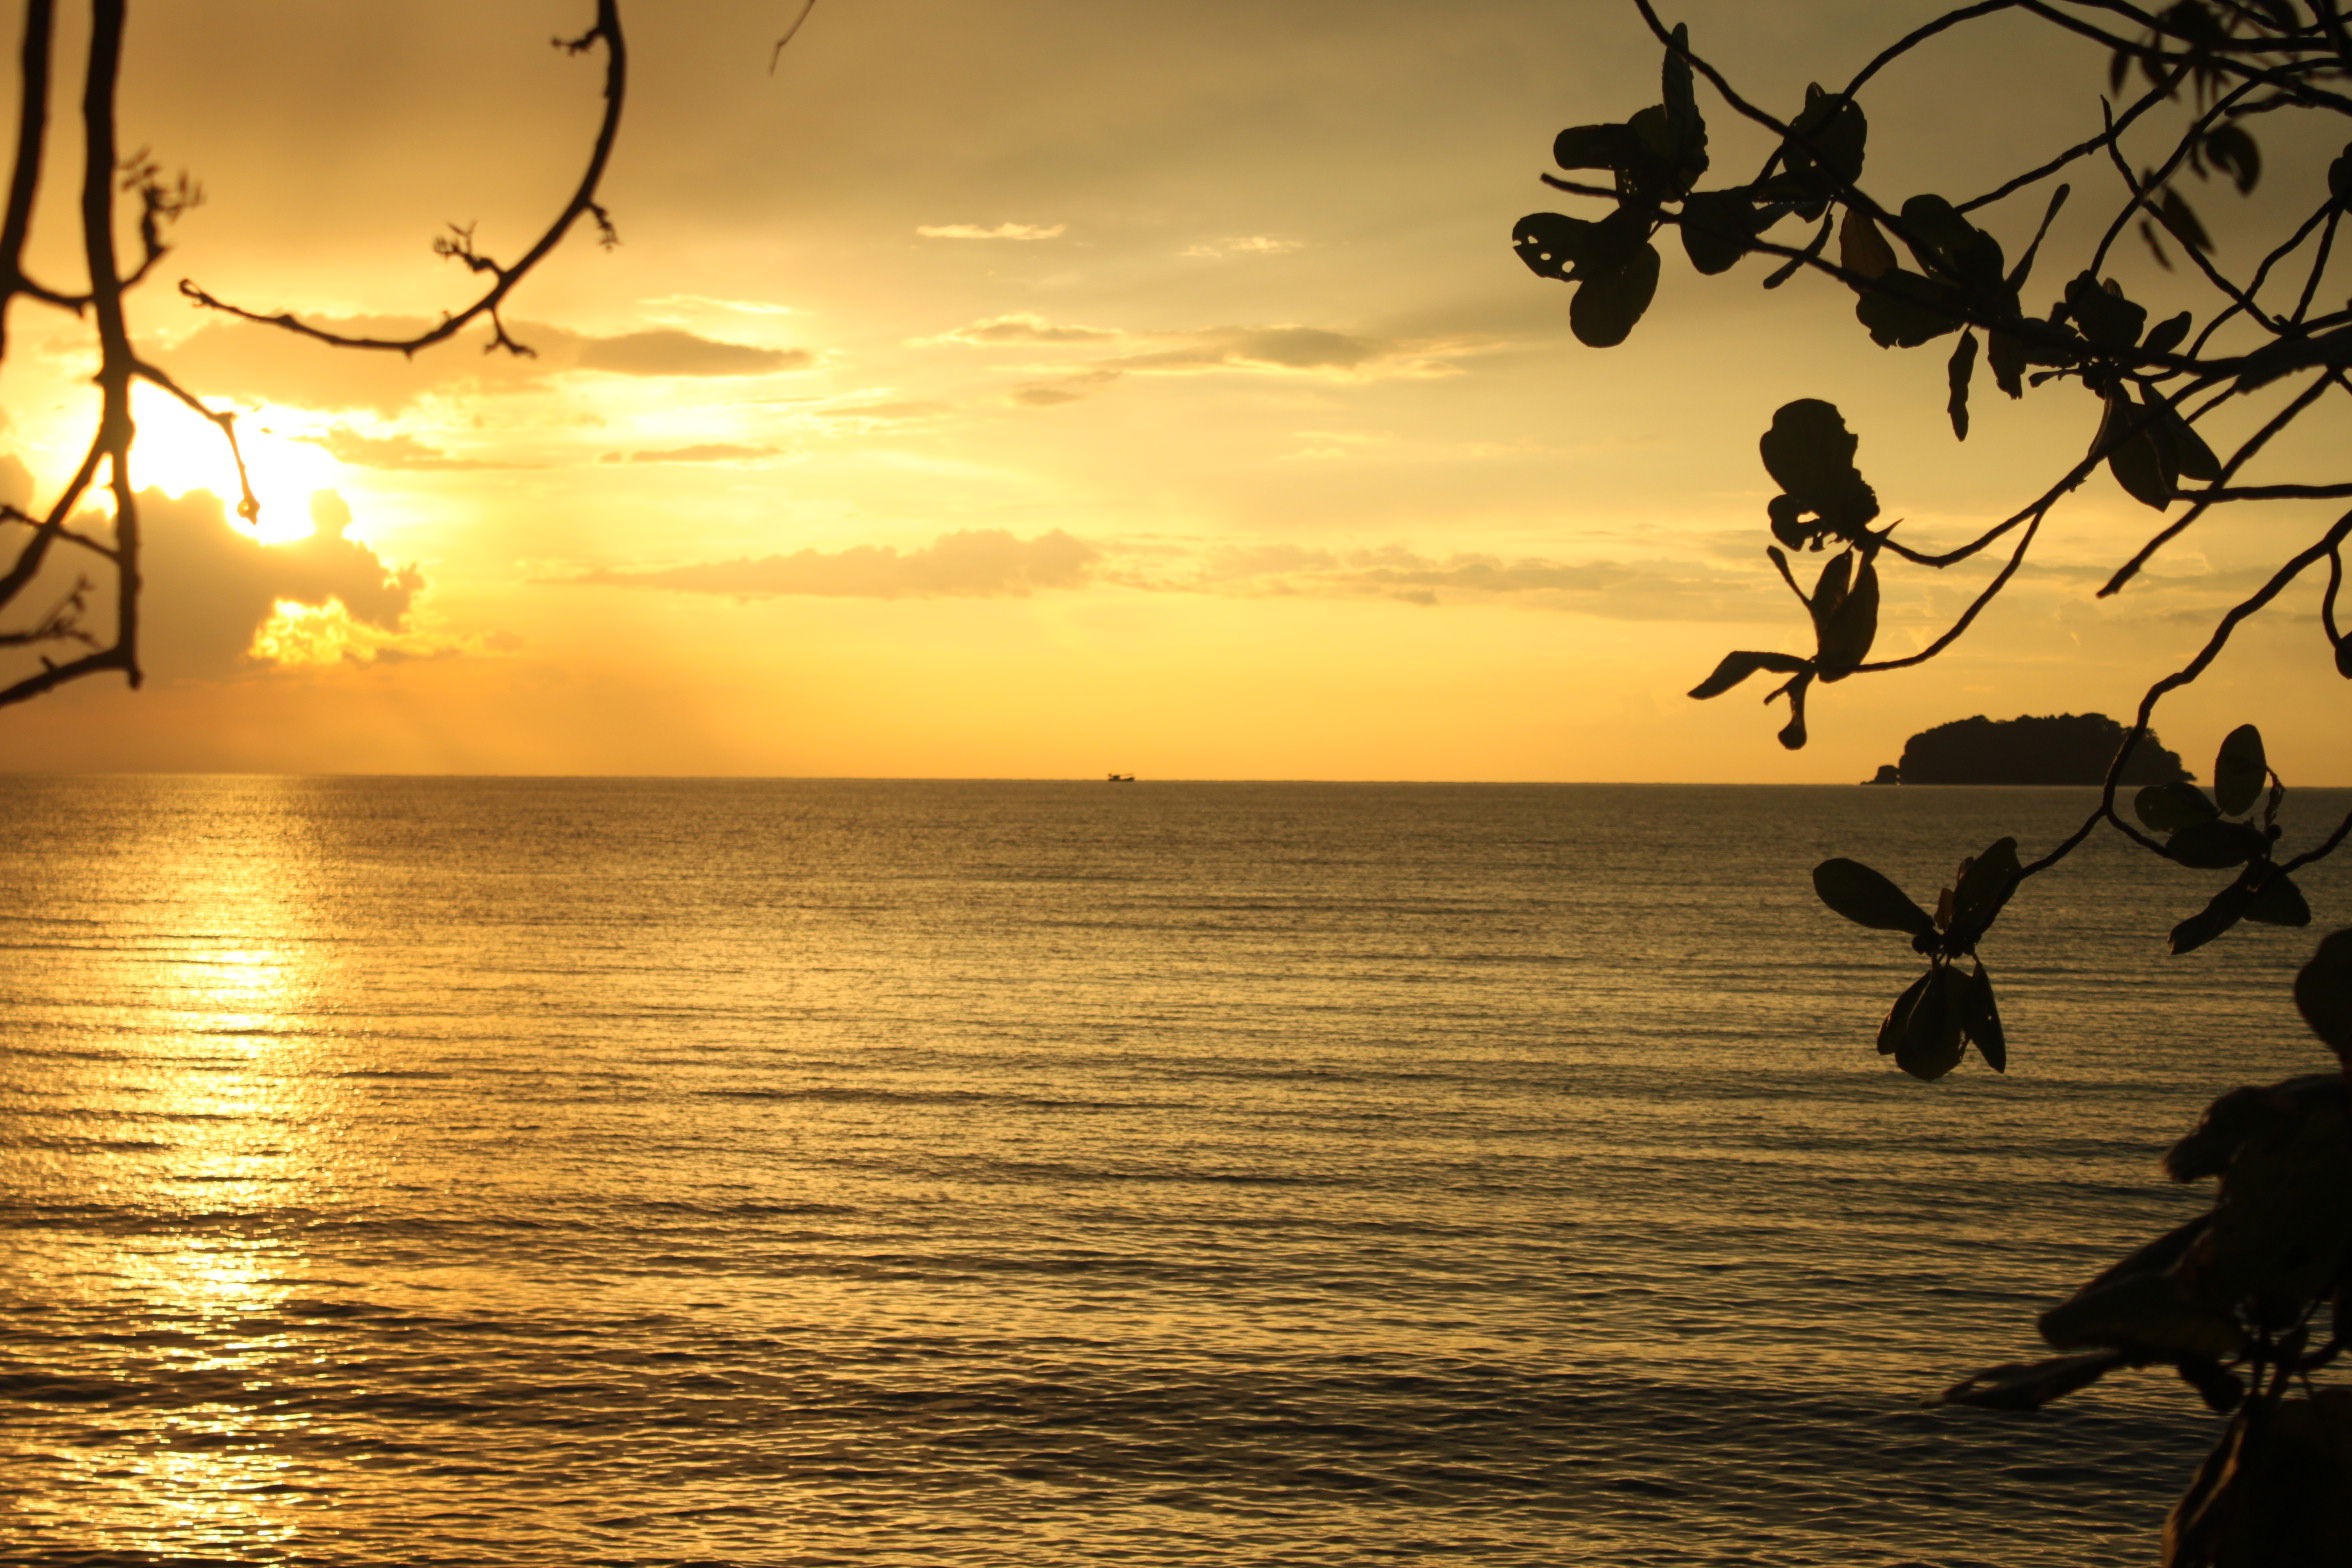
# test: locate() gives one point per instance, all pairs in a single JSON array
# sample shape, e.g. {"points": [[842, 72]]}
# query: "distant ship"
{"points": [[1121, 778]]}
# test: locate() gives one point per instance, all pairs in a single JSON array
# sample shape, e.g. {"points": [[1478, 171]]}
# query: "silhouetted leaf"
{"points": [[2222, 1390], [1981, 1017], [1903, 309], [1849, 626], [2344, 658], [1868, 899], [2233, 152], [2277, 901], [1737, 667], [1932, 1042], [1957, 372], [2006, 355], [2340, 176], [1551, 243], [2134, 456], [2225, 909], [1983, 887], [1825, 143], [2147, 1314], [1861, 248], [2167, 808], [2168, 334], [1890, 1028], [1594, 147], [1808, 450], [2240, 771], [2102, 314], [2216, 846], [2029, 1385], [2181, 219], [2156, 250], [1945, 243], [2184, 450], [1786, 515], [1608, 304], [1717, 229], [2323, 992]]}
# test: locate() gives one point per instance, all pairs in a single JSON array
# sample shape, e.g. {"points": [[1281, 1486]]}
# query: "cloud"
{"points": [[1003, 231], [1311, 350], [1318, 353], [668, 351], [1655, 590], [237, 359], [1243, 245], [704, 452], [398, 450], [211, 587], [1024, 329], [986, 563]]}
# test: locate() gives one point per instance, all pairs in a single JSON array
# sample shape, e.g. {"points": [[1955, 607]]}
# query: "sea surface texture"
{"points": [[558, 1173]]}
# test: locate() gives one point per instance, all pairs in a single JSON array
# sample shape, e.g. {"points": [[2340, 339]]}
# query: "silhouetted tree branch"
{"points": [[27, 537], [2234, 1301]]}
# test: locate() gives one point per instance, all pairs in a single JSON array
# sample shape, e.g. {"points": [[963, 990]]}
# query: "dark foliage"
{"points": [[2250, 1301]]}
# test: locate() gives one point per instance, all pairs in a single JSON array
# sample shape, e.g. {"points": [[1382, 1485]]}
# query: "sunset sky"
{"points": [[1047, 387]]}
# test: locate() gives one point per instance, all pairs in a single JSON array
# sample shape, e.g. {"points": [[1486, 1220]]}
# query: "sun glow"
{"points": [[177, 452]]}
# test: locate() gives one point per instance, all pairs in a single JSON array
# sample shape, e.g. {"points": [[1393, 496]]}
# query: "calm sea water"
{"points": [[557, 1173]]}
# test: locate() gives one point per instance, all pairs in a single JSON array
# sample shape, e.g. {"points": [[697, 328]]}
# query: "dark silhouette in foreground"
{"points": [[2252, 1299]]}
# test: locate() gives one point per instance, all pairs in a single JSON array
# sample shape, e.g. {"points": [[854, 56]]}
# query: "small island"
{"points": [[2064, 748]]}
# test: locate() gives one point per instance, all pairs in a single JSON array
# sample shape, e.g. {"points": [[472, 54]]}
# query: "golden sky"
{"points": [[1043, 387]]}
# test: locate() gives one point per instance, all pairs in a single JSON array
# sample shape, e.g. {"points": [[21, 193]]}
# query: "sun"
{"points": [[176, 451]]}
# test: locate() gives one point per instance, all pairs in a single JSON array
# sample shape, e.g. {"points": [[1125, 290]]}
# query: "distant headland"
{"points": [[2063, 748]]}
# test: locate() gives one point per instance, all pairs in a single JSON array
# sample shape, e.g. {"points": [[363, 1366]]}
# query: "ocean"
{"points": [[655, 1172]]}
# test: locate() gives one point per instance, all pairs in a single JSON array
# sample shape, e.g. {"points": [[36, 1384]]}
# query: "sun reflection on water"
{"points": [[198, 1112]]}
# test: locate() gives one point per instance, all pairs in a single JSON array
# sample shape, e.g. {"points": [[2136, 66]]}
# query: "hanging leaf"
{"points": [[1946, 244], [1982, 1020], [2323, 992], [2181, 219], [1718, 227], [1850, 626], [1595, 147], [2240, 771], [2029, 1385], [1606, 306], [1862, 250], [1551, 243], [2216, 846], [1823, 152], [2232, 150], [2102, 313], [1903, 309], [1737, 667], [1933, 1034], [1890, 1029], [1808, 450], [2167, 334], [1867, 898], [2134, 456], [2184, 449], [2225, 910], [2167, 808], [2006, 355], [2277, 901], [1982, 887], [2148, 1314], [1957, 371]]}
